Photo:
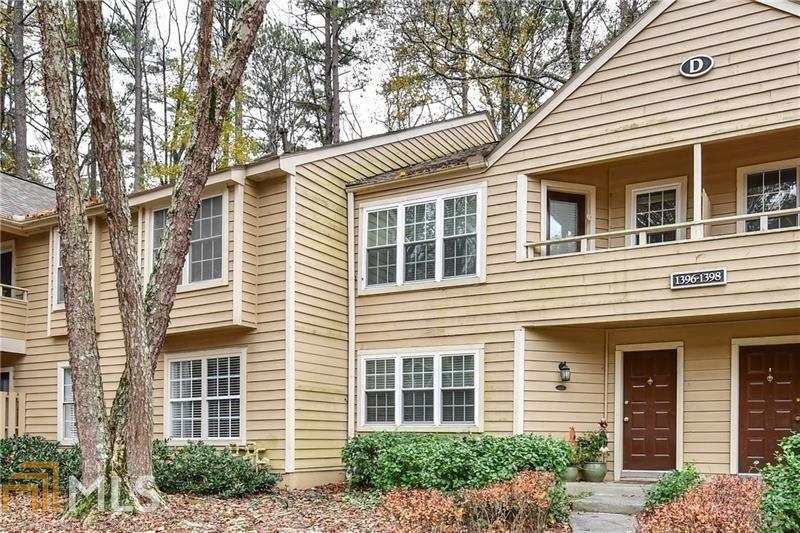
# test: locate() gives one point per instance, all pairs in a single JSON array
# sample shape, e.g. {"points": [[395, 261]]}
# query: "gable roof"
{"points": [[533, 120], [20, 196]]}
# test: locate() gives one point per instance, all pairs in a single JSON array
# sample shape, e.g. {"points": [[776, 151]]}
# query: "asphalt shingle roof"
{"points": [[19, 197]]}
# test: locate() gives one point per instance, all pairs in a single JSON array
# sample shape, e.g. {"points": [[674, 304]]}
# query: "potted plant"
{"points": [[571, 472], [592, 449]]}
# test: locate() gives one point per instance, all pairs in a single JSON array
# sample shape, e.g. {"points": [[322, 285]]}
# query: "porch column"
{"points": [[697, 192], [518, 425]]}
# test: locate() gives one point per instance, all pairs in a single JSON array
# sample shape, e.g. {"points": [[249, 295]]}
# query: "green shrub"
{"points": [[386, 461], [781, 503], [200, 469], [672, 486], [16, 450], [592, 447]]}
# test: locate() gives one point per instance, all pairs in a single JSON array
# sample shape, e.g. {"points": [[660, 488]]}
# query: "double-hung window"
{"points": [[205, 398], [66, 406], [656, 204], [205, 260], [58, 272], [771, 190], [421, 389], [423, 240]]}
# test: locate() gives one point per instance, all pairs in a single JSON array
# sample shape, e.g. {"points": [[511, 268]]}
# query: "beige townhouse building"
{"points": [[630, 252]]}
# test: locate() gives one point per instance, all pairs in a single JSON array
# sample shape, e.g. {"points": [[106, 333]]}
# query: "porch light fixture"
{"points": [[566, 374]]}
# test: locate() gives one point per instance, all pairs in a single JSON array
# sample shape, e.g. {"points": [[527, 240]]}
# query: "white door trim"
{"points": [[619, 352], [735, 344]]}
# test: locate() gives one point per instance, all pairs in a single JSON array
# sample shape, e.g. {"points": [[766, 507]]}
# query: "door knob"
{"points": [[797, 418], [626, 419]]}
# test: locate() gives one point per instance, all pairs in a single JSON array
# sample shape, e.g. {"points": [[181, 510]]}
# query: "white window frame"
{"points": [[437, 425], [55, 254], [741, 185], [400, 203], [9, 246], [183, 284], [60, 407], [589, 191], [678, 183], [237, 351]]}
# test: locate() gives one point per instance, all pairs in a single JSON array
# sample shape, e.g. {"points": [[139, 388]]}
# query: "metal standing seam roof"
{"points": [[19, 197]]}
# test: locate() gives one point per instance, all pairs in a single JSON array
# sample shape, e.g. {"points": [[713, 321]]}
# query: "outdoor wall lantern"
{"points": [[566, 374]]}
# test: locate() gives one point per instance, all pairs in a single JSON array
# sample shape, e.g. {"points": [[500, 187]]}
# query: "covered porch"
{"points": [[727, 188], [673, 391]]}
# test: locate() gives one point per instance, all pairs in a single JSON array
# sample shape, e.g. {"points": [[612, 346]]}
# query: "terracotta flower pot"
{"points": [[594, 472], [570, 473]]}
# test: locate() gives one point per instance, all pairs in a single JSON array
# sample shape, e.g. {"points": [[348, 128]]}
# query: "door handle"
{"points": [[626, 419]]}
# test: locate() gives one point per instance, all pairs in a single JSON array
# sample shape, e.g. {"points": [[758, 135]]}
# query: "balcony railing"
{"points": [[12, 414], [639, 236], [15, 293]]}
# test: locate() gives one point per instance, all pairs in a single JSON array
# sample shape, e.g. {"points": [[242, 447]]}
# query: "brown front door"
{"points": [[649, 407], [769, 401]]}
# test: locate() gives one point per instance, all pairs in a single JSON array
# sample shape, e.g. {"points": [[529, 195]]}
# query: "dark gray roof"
{"points": [[19, 197], [447, 162]]}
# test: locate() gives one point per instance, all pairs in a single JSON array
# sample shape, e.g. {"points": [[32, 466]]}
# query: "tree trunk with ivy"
{"points": [[146, 312]]}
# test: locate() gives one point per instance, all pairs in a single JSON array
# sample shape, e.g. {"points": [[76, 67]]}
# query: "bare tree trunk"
{"points": [[74, 243], [336, 102], [138, 124], [20, 98]]}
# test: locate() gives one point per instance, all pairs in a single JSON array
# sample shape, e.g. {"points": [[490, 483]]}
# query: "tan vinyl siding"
{"points": [[263, 293], [13, 318], [320, 319], [636, 102]]}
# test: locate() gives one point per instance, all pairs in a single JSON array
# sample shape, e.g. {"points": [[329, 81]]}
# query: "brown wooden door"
{"points": [[649, 405], [768, 408]]}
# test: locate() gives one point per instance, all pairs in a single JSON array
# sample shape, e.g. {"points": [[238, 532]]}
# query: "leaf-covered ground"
{"points": [[325, 509]]}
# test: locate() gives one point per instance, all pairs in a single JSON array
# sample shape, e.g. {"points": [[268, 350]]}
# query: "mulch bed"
{"points": [[321, 509]]}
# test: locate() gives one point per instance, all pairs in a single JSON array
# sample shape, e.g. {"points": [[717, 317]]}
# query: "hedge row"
{"points": [[386, 461], [196, 469]]}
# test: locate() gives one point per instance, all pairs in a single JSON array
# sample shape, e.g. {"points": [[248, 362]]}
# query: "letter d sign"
{"points": [[696, 66]]}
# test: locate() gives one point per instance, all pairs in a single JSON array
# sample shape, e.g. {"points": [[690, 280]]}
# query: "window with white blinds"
{"points": [[205, 398]]}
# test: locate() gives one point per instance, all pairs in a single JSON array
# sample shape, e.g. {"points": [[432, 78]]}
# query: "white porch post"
{"points": [[697, 192], [518, 425]]}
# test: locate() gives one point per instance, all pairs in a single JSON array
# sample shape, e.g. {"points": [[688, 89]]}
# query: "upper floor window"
{"points": [[654, 204], [58, 272], [426, 239], [425, 389], [205, 397], [771, 190], [205, 260]]}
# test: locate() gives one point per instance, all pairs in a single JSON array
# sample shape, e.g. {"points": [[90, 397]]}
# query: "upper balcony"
{"points": [[619, 239], [13, 319]]}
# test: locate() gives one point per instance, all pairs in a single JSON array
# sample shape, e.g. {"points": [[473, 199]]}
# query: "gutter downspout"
{"points": [[351, 319]]}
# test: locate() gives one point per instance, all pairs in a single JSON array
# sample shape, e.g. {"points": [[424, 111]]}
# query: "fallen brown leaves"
{"points": [[321, 509]]}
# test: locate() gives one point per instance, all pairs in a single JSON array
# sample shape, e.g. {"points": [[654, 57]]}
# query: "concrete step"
{"points": [[607, 497], [601, 523]]}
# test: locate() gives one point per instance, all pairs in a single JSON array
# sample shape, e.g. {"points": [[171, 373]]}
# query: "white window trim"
{"points": [[60, 407], [241, 352], [741, 185], [183, 284], [589, 191], [437, 426], [399, 203], [9, 246], [55, 251], [631, 190]]}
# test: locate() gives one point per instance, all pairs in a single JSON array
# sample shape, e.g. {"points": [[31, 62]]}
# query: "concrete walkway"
{"points": [[605, 507]]}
